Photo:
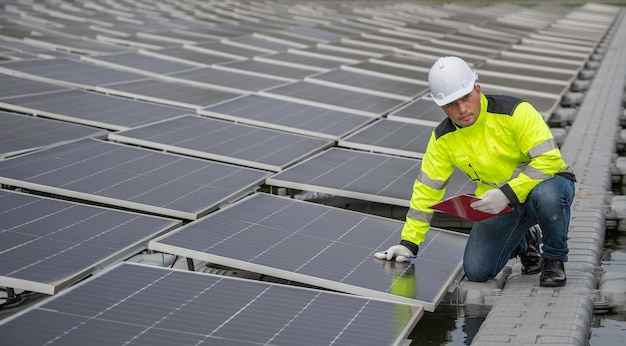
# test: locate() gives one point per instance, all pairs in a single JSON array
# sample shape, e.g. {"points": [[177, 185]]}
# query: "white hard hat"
{"points": [[449, 79]]}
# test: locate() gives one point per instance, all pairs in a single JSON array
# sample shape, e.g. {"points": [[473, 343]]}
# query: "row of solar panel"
{"points": [[236, 102]]}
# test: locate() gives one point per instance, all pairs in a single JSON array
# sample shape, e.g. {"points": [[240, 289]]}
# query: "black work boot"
{"points": [[552, 273], [531, 258]]}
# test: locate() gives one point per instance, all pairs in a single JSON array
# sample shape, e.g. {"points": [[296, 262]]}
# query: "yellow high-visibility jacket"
{"points": [[509, 147]]}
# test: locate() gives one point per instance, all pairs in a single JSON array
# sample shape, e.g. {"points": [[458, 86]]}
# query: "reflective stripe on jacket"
{"points": [[509, 147]]}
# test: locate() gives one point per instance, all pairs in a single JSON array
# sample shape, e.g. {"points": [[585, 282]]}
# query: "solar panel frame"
{"points": [[322, 246], [361, 175], [49, 244], [224, 141], [159, 305], [133, 178]]}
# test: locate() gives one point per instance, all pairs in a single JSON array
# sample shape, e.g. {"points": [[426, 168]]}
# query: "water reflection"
{"points": [[610, 328], [449, 325]]}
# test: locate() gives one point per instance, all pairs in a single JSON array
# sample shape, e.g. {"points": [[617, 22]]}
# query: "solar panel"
{"points": [[446, 48], [408, 75], [390, 137], [548, 52], [361, 175], [517, 72], [76, 45], [170, 93], [189, 56], [283, 37], [416, 62], [172, 36], [378, 41], [334, 98], [131, 178], [224, 141], [135, 41], [11, 86], [287, 116], [318, 34], [470, 58], [227, 80], [92, 108], [257, 43], [525, 86], [322, 246], [138, 63], [514, 58], [20, 134], [422, 111], [356, 48], [368, 83], [68, 72], [48, 244], [268, 69], [326, 53], [138, 304], [300, 60], [228, 50]]}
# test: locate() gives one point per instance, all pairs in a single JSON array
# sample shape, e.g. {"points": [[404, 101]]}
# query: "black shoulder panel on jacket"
{"points": [[444, 127], [502, 104]]}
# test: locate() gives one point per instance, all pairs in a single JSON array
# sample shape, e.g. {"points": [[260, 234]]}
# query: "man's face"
{"points": [[464, 110]]}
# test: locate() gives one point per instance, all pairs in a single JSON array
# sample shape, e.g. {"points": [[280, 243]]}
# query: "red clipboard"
{"points": [[460, 206]]}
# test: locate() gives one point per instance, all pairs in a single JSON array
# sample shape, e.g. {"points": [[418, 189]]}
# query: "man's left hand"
{"points": [[492, 202]]}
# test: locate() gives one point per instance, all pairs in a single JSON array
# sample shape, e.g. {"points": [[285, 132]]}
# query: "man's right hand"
{"points": [[399, 253]]}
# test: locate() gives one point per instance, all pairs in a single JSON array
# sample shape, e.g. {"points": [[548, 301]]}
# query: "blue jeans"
{"points": [[492, 242]]}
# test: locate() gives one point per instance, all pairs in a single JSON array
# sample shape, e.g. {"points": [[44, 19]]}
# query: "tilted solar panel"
{"points": [[329, 97], [390, 137], [362, 175], [321, 246], [130, 177], [225, 141], [135, 304], [287, 116], [92, 108], [21, 133], [48, 244]]}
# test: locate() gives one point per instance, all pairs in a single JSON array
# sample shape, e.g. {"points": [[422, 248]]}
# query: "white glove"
{"points": [[400, 252], [492, 202]]}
